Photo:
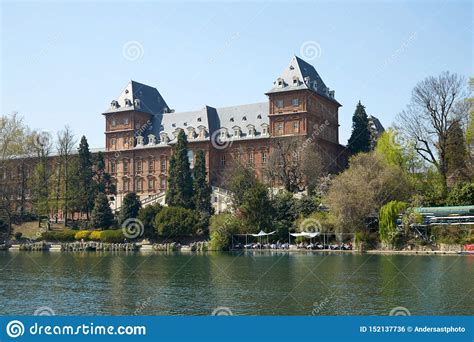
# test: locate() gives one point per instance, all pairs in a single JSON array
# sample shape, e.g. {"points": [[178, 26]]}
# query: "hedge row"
{"points": [[112, 236]]}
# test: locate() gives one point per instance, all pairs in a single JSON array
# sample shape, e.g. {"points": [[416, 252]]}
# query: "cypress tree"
{"points": [[202, 190], [360, 137], [85, 175], [456, 151], [180, 185]]}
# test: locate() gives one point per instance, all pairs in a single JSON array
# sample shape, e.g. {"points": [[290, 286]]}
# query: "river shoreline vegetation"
{"points": [[425, 160]]}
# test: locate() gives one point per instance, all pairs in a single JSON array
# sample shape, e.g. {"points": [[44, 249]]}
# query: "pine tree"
{"points": [[130, 207], [180, 185], [102, 216], [202, 190], [85, 174], [360, 137]]}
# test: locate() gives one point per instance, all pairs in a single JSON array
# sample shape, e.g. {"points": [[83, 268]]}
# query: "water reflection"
{"points": [[249, 283]]}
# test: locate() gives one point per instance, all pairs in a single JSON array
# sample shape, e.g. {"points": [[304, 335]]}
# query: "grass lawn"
{"points": [[30, 229]]}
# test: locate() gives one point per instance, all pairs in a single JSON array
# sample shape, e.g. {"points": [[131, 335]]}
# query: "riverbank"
{"points": [[203, 246]]}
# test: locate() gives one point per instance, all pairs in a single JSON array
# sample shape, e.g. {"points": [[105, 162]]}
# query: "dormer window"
{"points": [[191, 133], [114, 104], [151, 139], [202, 132], [296, 81], [244, 118], [137, 103], [164, 138], [223, 133], [128, 103], [199, 119], [259, 116], [231, 119], [140, 140], [264, 129], [237, 131], [251, 130]]}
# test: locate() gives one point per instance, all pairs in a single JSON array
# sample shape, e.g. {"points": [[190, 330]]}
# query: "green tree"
{"points": [[242, 179], [104, 183], [102, 216], [461, 194], [147, 216], [130, 207], [284, 205], [202, 190], [360, 191], [175, 222], [456, 151], [180, 185], [257, 208], [388, 219], [360, 137], [86, 189]]}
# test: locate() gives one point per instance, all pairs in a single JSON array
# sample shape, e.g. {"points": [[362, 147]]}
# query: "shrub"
{"points": [[451, 234], [82, 234], [62, 236], [18, 235], [147, 216], [94, 235], [175, 221], [112, 236], [222, 227]]}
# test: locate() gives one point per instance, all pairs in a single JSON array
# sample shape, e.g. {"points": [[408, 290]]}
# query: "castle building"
{"points": [[141, 129]]}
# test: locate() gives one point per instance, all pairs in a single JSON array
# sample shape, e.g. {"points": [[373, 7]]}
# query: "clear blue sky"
{"points": [[63, 63]]}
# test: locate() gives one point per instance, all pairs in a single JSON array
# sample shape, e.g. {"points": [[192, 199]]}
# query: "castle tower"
{"points": [[300, 103]]}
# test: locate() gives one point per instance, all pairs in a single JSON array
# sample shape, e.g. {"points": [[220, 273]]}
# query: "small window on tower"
{"points": [[296, 126], [279, 103], [125, 121], [295, 102]]}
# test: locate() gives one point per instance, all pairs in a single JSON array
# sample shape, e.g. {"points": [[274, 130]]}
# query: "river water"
{"points": [[251, 283]]}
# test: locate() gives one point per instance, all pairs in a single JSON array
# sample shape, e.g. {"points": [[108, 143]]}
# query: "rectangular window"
{"points": [[163, 165], [139, 185], [264, 157], [296, 126], [114, 122], [163, 183], [113, 167], [139, 166], [125, 166], [250, 157], [280, 128], [223, 160], [125, 185], [151, 184], [279, 103], [295, 102], [150, 166], [113, 142], [125, 121]]}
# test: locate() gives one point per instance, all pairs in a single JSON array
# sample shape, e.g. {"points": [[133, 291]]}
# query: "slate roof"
{"points": [[212, 119], [143, 98], [300, 75], [139, 97]]}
